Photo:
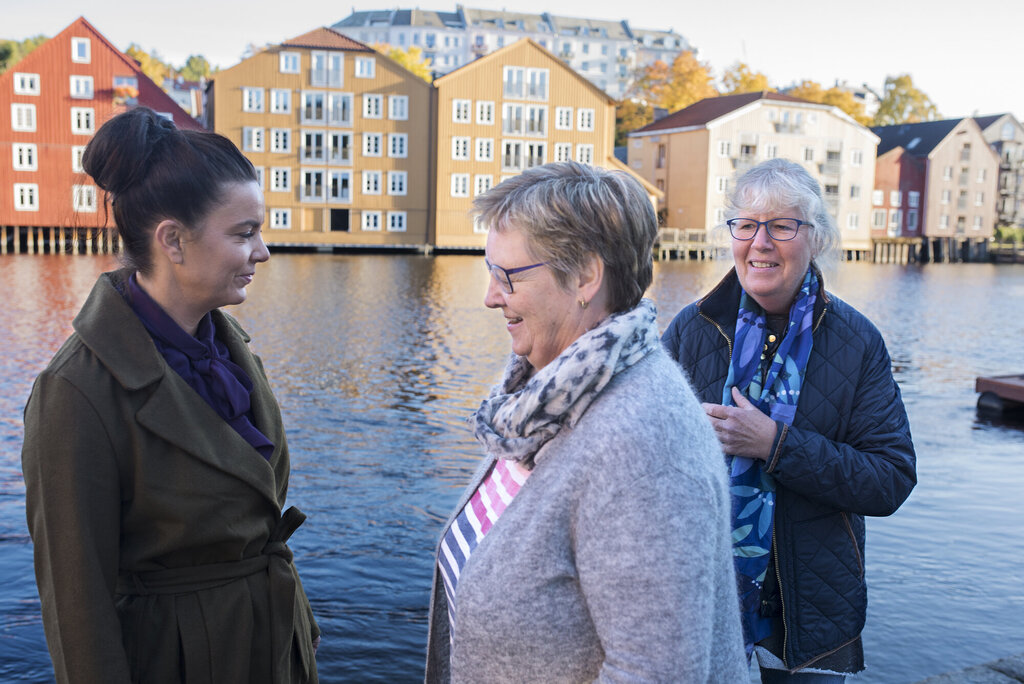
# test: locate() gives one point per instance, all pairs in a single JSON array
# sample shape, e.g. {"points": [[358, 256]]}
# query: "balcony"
{"points": [[832, 168], [744, 163], [785, 127]]}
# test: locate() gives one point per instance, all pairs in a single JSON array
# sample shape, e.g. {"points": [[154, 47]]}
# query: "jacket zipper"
{"points": [[719, 328], [782, 600], [853, 540]]}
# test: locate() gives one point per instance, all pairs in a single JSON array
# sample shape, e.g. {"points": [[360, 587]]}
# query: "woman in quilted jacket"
{"points": [[799, 389]]}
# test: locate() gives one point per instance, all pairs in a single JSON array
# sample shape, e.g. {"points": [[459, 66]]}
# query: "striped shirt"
{"points": [[482, 510]]}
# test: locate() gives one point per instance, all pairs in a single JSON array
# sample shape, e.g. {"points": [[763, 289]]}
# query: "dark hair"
{"points": [[152, 171], [570, 211]]}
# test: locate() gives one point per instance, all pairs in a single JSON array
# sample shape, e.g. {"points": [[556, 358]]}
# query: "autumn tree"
{"points": [[902, 102], [12, 51], [196, 68], [834, 96], [675, 86], [411, 58], [151, 64], [740, 79], [630, 115]]}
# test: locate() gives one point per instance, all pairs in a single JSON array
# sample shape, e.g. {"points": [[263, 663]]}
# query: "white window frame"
{"points": [[513, 118], [281, 219], [535, 120], [482, 182], [946, 197], [304, 194], [253, 139], [979, 199], [808, 154], [370, 221], [252, 99], [280, 96], [25, 157], [852, 221], [398, 107], [947, 173], [585, 119], [771, 151], [895, 219], [982, 174], [462, 111], [373, 106], [978, 223], [484, 149], [285, 62], [585, 153], [83, 198], [398, 183], [77, 151], [366, 67], [913, 198], [721, 184], [563, 152], [877, 198], [460, 147], [398, 145], [26, 197], [26, 83], [23, 117], [944, 221], [724, 148], [878, 218], [895, 198], [856, 157], [373, 182], [513, 149], [309, 97], [280, 179], [340, 104], [344, 198], [563, 118], [373, 144], [260, 177], [83, 120], [84, 58], [336, 147], [279, 135], [313, 148], [485, 112], [460, 185], [397, 221]]}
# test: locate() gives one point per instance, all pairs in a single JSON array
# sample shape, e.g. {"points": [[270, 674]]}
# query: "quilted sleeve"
{"points": [[867, 463]]}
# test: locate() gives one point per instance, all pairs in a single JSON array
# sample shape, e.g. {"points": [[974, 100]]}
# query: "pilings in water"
{"points": [[939, 250], [58, 240], [683, 243]]}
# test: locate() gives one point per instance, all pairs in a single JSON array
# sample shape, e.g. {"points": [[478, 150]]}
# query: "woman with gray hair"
{"points": [[592, 542], [799, 389]]}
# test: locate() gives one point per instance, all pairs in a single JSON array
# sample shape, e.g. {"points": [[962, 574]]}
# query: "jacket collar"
{"points": [[111, 330]]}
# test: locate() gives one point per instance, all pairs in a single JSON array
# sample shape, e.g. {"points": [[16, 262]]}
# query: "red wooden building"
{"points": [[51, 104]]}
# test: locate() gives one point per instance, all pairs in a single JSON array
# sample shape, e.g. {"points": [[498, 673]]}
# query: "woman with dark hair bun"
{"points": [[155, 460]]}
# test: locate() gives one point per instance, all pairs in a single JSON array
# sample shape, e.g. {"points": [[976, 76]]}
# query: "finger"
{"points": [[741, 401], [712, 410]]}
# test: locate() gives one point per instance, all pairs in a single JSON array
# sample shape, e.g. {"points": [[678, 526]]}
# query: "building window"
{"points": [[584, 119], [397, 182], [326, 69], [944, 221], [977, 223], [460, 185], [80, 50], [398, 145], [913, 198], [563, 118], [81, 87], [946, 196], [853, 221], [313, 110], [724, 148], [290, 62], [76, 158], [23, 117], [252, 99], [511, 156], [979, 199], [485, 112], [339, 148], [878, 198], [878, 218], [854, 192], [856, 157], [482, 183], [280, 179], [26, 197], [585, 154], [912, 219], [461, 111], [719, 216], [771, 151], [563, 152], [366, 67], [398, 107], [721, 184], [280, 140], [460, 148], [396, 221], [26, 84], [895, 218], [280, 101], [83, 121], [536, 120], [281, 219], [894, 198], [808, 154], [373, 106], [312, 185], [25, 157], [83, 197], [485, 149], [259, 177], [536, 154], [339, 186], [512, 119], [372, 144], [982, 173], [371, 220], [313, 149], [947, 173], [372, 181], [252, 139], [339, 109]]}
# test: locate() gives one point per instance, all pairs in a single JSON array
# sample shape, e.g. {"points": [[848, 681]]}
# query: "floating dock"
{"points": [[1000, 393]]}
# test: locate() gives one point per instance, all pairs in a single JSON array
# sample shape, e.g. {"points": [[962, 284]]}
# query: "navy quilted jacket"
{"points": [[848, 454]]}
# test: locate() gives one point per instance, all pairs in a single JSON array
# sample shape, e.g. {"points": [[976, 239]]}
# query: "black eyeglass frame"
{"points": [[506, 272], [766, 227]]}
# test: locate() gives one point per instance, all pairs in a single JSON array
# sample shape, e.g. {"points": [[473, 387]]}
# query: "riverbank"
{"points": [[1003, 671]]}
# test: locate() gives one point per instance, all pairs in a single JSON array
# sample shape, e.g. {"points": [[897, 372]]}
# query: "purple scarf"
{"points": [[204, 363]]}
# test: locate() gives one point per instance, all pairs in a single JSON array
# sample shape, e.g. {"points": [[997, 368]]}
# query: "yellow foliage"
{"points": [[674, 87], [411, 58], [740, 79]]}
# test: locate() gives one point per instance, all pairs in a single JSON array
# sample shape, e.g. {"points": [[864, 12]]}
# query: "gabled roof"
{"points": [[499, 54], [711, 108], [918, 139], [326, 38], [614, 30], [507, 21], [651, 188], [986, 121]]}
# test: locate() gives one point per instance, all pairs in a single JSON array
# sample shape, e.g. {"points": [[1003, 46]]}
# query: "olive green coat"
{"points": [[132, 481]]}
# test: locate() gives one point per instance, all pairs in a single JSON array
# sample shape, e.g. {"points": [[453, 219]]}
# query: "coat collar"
{"points": [[172, 410]]}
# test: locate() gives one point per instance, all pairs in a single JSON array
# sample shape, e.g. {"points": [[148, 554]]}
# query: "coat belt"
{"points": [[285, 614]]}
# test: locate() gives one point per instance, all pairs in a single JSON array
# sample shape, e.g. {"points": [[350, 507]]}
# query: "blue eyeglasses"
{"points": [[780, 229], [502, 274]]}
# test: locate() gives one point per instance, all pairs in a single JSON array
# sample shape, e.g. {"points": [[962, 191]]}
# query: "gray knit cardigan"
{"points": [[614, 562]]}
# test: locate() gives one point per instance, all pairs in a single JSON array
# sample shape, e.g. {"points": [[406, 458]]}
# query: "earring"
{"points": [[584, 303]]}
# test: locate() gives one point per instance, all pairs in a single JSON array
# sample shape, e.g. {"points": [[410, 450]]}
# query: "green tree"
{"points": [[835, 96], [902, 102], [675, 86], [411, 58], [740, 79], [12, 51], [151, 64], [630, 115], [196, 68]]}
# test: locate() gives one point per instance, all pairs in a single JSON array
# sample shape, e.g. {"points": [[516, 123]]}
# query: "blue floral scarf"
{"points": [[752, 489]]}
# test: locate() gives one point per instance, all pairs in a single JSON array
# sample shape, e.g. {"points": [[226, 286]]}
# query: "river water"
{"points": [[378, 360]]}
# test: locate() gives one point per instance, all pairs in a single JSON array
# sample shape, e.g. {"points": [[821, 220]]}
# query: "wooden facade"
{"points": [[51, 104], [341, 136]]}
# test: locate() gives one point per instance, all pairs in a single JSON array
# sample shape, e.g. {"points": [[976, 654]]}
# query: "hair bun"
{"points": [[119, 155]]}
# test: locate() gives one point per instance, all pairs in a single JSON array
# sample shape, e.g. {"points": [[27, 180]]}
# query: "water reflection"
{"points": [[378, 361]]}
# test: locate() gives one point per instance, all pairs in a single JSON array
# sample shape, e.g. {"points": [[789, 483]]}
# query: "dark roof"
{"points": [[986, 121], [919, 139], [326, 38], [711, 108]]}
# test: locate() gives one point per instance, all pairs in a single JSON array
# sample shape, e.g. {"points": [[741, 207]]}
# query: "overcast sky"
{"points": [[965, 56]]}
